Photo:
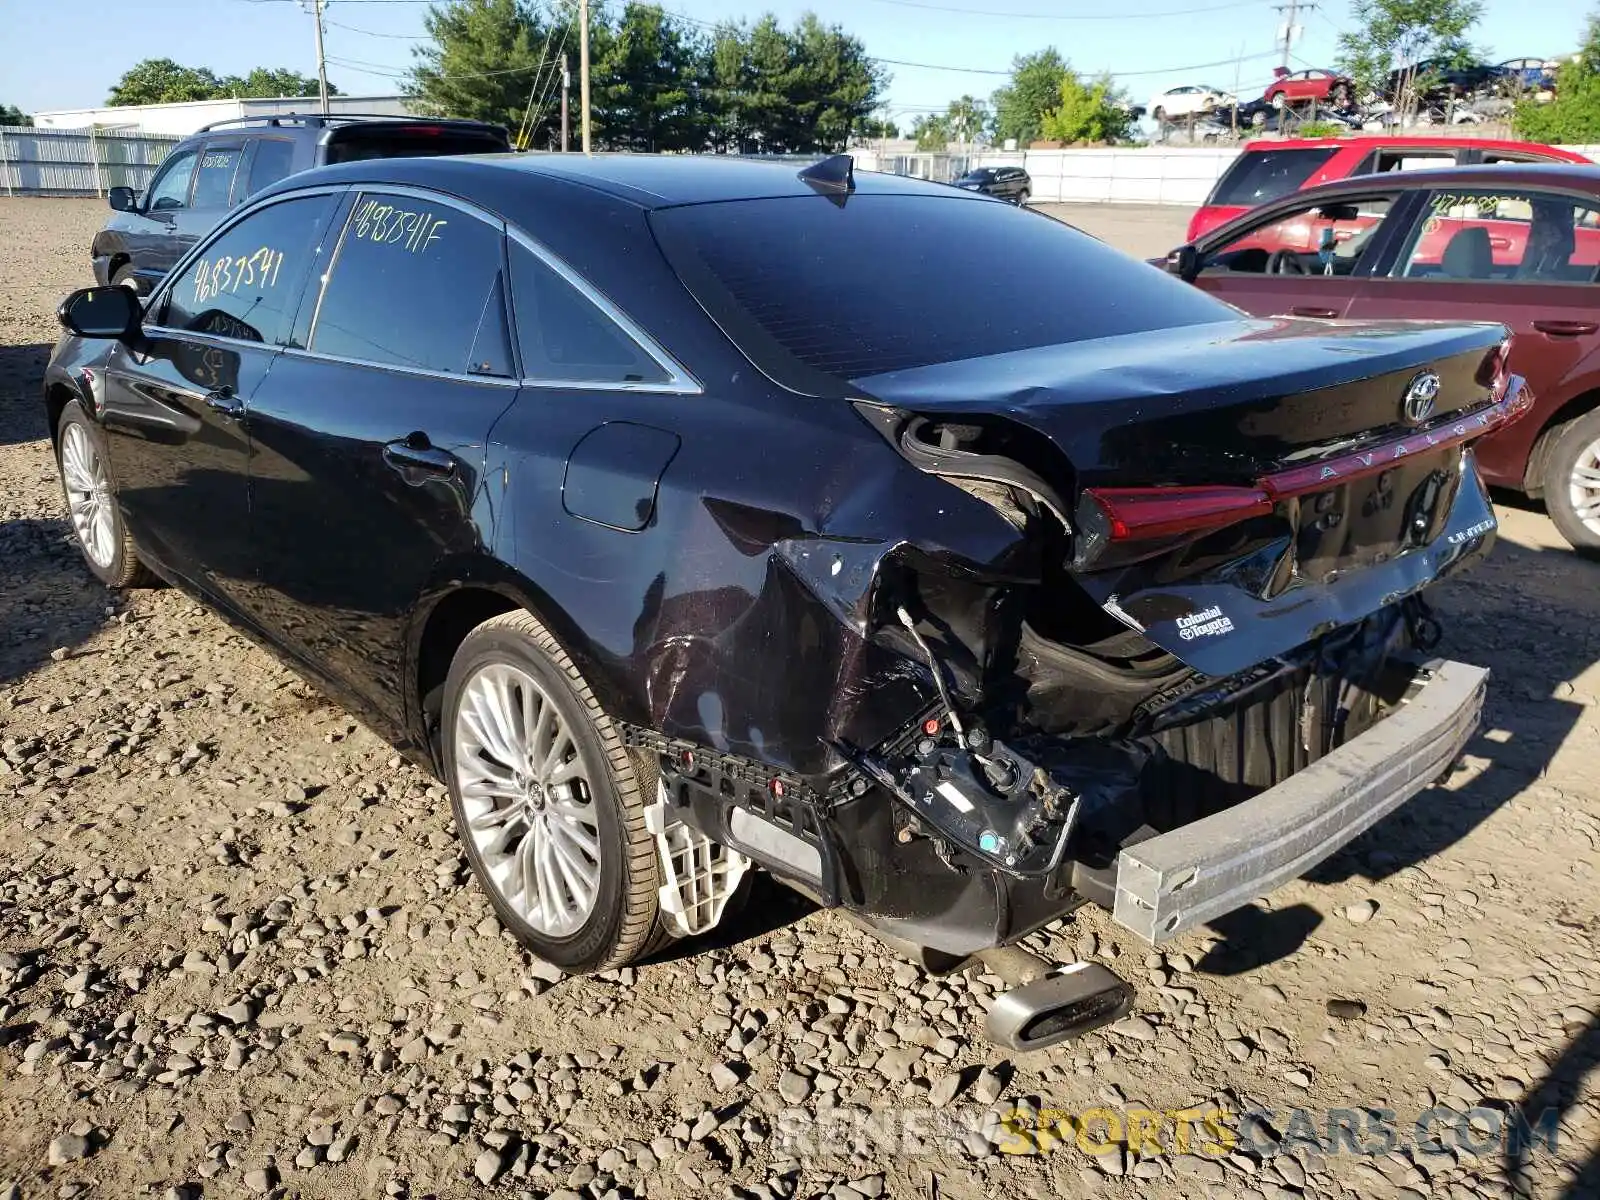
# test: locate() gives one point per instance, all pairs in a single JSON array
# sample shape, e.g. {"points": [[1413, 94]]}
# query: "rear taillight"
{"points": [[1137, 514], [1124, 515], [1495, 371]]}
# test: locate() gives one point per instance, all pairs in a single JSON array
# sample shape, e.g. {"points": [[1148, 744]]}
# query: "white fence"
{"points": [[77, 162], [1142, 175]]}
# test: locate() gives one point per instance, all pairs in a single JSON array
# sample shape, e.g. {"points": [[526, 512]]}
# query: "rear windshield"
{"points": [[1261, 175], [884, 283], [362, 143]]}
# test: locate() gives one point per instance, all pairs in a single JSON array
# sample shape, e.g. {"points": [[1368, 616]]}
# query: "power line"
{"points": [[404, 37]]}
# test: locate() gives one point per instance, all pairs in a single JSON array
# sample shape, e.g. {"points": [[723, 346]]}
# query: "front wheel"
{"points": [[1278, 101], [1572, 484], [1022, 198], [547, 800], [92, 502]]}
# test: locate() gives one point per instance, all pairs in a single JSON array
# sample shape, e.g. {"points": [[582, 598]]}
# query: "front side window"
{"points": [[1507, 235], [246, 284], [409, 286], [172, 189], [213, 178], [564, 337], [1328, 239]]}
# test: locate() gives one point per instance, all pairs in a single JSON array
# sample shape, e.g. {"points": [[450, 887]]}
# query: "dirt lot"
{"points": [[240, 954]]}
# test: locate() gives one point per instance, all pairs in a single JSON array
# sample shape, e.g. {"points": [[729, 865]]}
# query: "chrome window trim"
{"points": [[402, 369], [210, 339], [249, 208], [679, 381]]}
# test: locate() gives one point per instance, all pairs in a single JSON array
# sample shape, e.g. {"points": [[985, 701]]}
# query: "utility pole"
{"points": [[566, 88], [583, 70], [322, 61], [1290, 29]]}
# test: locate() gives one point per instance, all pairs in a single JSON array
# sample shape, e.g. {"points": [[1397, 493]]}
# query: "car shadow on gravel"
{"points": [[1530, 712], [21, 409], [1528, 1128], [48, 600]]}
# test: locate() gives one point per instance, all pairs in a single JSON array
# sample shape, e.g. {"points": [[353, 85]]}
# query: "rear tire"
{"points": [[92, 502], [547, 800], [1572, 484]]}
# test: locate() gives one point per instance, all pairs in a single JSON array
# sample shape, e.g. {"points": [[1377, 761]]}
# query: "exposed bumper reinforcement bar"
{"points": [[1177, 880]]}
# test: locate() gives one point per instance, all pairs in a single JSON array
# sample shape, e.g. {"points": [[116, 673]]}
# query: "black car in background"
{"points": [[689, 514], [205, 176], [1008, 183]]}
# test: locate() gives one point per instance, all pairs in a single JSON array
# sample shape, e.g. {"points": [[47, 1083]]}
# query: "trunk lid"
{"points": [[1235, 490]]}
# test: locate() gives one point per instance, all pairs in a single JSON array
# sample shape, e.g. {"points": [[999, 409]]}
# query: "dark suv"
{"points": [[1008, 183], [213, 172]]}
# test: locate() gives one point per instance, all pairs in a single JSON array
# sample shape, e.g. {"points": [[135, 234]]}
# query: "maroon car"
{"points": [[1518, 245]]}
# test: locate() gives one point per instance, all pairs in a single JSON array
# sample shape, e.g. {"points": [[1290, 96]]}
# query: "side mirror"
{"points": [[101, 312], [1184, 262], [123, 199]]}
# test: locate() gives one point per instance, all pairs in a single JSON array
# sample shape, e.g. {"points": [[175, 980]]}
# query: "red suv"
{"points": [[1266, 170]]}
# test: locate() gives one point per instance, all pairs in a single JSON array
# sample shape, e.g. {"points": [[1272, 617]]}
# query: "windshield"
{"points": [[885, 283]]}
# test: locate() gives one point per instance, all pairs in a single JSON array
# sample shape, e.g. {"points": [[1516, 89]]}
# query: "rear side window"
{"points": [[883, 283], [213, 178], [409, 285], [564, 337], [1257, 176], [246, 284], [274, 157]]}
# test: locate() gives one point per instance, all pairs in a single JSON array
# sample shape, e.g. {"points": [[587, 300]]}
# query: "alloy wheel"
{"points": [[88, 495], [528, 800], [1583, 486]]}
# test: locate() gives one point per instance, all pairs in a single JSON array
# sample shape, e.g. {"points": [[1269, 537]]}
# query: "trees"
{"points": [[1034, 90], [1573, 117], [646, 76], [932, 132], [483, 63], [272, 81], [163, 81], [1391, 35], [10, 114], [1087, 112], [657, 82]]}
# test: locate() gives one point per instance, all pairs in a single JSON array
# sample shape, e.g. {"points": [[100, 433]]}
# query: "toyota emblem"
{"points": [[1421, 395]]}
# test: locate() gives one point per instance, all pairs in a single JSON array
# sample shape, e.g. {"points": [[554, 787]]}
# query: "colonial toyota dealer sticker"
{"points": [[1208, 622]]}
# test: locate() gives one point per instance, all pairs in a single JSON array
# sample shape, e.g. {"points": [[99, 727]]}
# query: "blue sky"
{"points": [[67, 53]]}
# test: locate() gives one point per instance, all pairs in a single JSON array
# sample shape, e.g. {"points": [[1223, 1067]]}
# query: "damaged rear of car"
{"points": [[1168, 614]]}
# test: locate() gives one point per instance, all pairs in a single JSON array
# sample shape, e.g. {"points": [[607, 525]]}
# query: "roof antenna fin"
{"points": [[833, 175]]}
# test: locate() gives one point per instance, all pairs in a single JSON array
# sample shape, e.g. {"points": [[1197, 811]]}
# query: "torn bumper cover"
{"points": [[1173, 881]]}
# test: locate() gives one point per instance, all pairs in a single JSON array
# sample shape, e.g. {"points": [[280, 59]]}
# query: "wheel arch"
{"points": [[1581, 404], [463, 594]]}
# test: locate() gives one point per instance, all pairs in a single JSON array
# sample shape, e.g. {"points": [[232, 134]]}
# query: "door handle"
{"points": [[1326, 313], [1566, 328], [418, 459], [224, 400]]}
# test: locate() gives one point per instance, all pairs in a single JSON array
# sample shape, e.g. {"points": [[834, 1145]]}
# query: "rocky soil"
{"points": [[240, 953]]}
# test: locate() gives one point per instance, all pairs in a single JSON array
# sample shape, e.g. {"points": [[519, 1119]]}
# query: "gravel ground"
{"points": [[240, 953]]}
